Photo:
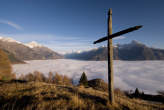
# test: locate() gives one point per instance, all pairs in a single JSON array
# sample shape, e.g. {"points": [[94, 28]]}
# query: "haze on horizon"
{"points": [[66, 26]]}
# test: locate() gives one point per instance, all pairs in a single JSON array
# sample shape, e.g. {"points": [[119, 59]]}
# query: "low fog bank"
{"points": [[145, 75]]}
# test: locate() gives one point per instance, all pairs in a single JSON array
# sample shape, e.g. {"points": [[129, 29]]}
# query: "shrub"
{"points": [[57, 79], [67, 80], [98, 84], [38, 76], [161, 92], [29, 77], [50, 77]]}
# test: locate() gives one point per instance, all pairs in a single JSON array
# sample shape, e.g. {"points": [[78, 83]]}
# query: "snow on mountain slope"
{"points": [[8, 39], [33, 44], [30, 44], [129, 45], [132, 44]]}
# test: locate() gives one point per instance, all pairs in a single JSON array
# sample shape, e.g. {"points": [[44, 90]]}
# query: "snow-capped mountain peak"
{"points": [[133, 43], [33, 44], [86, 50], [8, 39]]}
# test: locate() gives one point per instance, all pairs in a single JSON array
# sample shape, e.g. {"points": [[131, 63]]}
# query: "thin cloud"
{"points": [[119, 38], [12, 24]]}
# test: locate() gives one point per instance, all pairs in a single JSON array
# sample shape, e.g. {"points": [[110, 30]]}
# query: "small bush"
{"points": [[61, 79], [29, 77], [57, 79], [38, 76], [161, 92], [50, 77], [67, 80]]}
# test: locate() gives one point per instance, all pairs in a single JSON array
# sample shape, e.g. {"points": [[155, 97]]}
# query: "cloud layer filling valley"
{"points": [[145, 75]]}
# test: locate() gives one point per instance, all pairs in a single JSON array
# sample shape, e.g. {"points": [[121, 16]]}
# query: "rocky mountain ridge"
{"points": [[132, 51]]}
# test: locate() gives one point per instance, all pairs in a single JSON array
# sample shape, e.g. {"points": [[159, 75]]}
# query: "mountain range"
{"points": [[17, 51], [132, 51]]}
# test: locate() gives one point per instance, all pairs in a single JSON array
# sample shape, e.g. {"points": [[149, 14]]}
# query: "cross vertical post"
{"points": [[110, 52], [110, 59]]}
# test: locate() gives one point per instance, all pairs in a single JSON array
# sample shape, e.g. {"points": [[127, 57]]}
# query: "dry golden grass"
{"points": [[5, 67], [45, 96]]}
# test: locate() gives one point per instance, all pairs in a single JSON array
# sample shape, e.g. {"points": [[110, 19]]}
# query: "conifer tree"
{"points": [[137, 93], [83, 79]]}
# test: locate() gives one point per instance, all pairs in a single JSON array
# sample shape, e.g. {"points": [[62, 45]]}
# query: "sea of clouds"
{"points": [[148, 76]]}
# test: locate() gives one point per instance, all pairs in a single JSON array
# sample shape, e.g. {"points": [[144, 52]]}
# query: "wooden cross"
{"points": [[110, 52]]}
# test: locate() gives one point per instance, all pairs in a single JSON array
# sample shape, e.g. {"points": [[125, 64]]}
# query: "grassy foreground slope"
{"points": [[44, 96]]}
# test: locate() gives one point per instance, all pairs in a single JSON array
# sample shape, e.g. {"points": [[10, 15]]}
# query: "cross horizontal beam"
{"points": [[118, 34]]}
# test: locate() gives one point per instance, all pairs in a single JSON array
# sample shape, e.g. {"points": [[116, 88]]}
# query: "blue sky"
{"points": [[66, 25]]}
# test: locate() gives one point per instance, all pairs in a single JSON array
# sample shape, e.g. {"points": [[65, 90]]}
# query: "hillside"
{"points": [[5, 67], [12, 57], [44, 51], [132, 51], [41, 96]]}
